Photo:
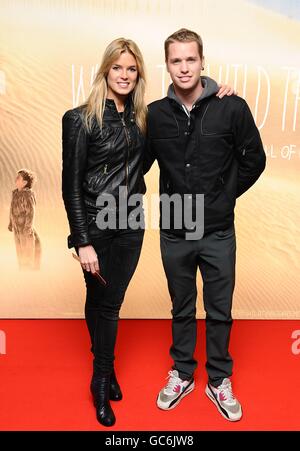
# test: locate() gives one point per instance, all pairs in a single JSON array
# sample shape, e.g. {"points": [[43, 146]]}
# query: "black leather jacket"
{"points": [[98, 162]]}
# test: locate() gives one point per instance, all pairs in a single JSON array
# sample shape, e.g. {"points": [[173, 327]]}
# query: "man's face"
{"points": [[184, 64]]}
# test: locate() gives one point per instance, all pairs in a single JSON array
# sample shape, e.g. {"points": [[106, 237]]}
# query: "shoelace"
{"points": [[172, 382], [226, 390]]}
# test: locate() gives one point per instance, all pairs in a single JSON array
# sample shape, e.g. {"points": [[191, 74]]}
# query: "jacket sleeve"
{"points": [[74, 155], [249, 150]]}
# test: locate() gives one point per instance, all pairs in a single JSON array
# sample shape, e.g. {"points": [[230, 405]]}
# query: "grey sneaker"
{"points": [[174, 391], [225, 401]]}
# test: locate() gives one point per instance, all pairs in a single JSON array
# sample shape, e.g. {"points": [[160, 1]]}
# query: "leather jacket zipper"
{"points": [[105, 169], [126, 162]]}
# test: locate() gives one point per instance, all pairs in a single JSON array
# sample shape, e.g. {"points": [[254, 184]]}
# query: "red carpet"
{"points": [[46, 370]]}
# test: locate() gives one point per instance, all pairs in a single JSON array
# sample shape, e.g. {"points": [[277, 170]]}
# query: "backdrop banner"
{"points": [[49, 53]]}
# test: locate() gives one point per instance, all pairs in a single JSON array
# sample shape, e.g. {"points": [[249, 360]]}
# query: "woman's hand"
{"points": [[225, 91], [88, 258]]}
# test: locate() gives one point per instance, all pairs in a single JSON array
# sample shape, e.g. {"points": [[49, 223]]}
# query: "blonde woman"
{"points": [[103, 144]]}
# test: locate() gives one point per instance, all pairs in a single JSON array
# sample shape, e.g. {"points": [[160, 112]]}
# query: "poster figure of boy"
{"points": [[21, 220]]}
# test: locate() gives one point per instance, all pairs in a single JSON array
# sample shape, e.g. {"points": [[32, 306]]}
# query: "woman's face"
{"points": [[122, 76]]}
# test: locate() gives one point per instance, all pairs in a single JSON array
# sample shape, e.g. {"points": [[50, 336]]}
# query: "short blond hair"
{"points": [[184, 35]]}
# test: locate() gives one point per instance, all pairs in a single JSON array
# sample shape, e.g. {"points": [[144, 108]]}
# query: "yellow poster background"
{"points": [[49, 51]]}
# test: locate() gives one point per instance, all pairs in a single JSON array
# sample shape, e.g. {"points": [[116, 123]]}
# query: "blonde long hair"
{"points": [[95, 103]]}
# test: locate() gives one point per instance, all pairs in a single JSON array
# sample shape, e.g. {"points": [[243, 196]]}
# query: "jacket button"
{"points": [[187, 165]]}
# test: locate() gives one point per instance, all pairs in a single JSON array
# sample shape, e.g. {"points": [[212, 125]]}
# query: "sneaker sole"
{"points": [[186, 392], [213, 399]]}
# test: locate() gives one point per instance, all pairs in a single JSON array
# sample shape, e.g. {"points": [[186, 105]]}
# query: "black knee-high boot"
{"points": [[100, 386], [115, 393]]}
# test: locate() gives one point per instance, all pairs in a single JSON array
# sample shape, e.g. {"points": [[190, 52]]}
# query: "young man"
{"points": [[211, 146]]}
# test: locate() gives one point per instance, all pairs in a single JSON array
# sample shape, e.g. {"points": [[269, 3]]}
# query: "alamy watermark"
{"points": [[2, 342], [177, 212], [296, 344]]}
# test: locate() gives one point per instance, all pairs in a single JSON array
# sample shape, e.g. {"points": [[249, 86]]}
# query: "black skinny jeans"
{"points": [[118, 253]]}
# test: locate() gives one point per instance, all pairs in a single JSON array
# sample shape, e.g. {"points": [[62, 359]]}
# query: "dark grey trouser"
{"points": [[214, 254]]}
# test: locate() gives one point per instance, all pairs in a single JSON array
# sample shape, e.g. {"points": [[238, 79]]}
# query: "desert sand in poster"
{"points": [[44, 46]]}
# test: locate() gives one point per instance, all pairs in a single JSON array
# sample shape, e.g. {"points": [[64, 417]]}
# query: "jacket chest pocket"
{"points": [[164, 141], [163, 130], [211, 127]]}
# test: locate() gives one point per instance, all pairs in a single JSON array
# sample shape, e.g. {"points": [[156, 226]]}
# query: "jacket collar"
{"points": [[128, 110], [210, 88]]}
